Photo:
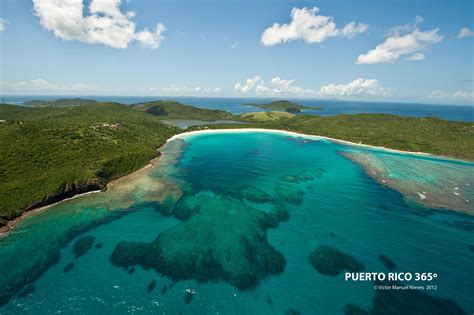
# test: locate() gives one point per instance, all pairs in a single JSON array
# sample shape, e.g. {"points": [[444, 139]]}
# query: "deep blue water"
{"points": [[331, 107], [338, 205]]}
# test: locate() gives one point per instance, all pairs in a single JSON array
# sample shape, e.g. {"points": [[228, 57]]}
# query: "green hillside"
{"points": [[51, 152], [177, 110], [265, 116]]}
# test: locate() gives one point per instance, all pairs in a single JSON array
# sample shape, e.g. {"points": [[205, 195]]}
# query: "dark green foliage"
{"points": [[331, 261], [49, 153], [387, 262], [411, 302], [430, 135], [83, 245], [350, 309], [176, 110]]}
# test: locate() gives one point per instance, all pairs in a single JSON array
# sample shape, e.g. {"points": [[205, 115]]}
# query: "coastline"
{"points": [[316, 137], [10, 224]]}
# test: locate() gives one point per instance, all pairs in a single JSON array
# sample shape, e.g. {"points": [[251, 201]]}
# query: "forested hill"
{"points": [[48, 153], [177, 110]]}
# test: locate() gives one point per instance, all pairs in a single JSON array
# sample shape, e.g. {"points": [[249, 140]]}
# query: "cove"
{"points": [[225, 221]]}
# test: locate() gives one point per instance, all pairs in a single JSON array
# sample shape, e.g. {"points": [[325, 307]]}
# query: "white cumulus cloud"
{"points": [[42, 86], [406, 40], [255, 85], [106, 24], [309, 26], [3, 24], [460, 95], [182, 89], [357, 87], [465, 32]]}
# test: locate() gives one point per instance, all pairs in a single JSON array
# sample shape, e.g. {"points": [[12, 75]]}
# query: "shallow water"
{"points": [[218, 249]]}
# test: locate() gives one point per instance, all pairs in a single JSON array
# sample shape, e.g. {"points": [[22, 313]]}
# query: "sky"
{"points": [[385, 50]]}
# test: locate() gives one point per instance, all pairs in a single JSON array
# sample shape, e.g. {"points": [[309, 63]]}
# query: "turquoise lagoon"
{"points": [[225, 223]]}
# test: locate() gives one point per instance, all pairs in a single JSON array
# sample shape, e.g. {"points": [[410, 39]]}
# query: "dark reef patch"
{"points": [[252, 194], [351, 309], [289, 194], [188, 297], [29, 289], [83, 245], [225, 240], [303, 176], [411, 302], [387, 262], [68, 267], [332, 234], [11, 285], [467, 226], [131, 270], [164, 289], [292, 312], [98, 245], [471, 247], [151, 286], [331, 261]]}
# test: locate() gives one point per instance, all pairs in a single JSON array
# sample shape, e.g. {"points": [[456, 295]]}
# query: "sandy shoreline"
{"points": [[314, 137], [10, 225]]}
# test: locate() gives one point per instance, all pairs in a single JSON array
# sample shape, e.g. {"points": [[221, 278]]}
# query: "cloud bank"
{"points": [[3, 24], [406, 40], [307, 25], [358, 87], [106, 24], [42, 86]]}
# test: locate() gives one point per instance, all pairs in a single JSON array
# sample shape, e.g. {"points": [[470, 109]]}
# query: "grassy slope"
{"points": [[431, 135], [176, 110], [265, 116], [44, 150]]}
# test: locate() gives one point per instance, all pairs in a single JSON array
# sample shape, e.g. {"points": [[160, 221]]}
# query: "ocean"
{"points": [[331, 107], [250, 223]]}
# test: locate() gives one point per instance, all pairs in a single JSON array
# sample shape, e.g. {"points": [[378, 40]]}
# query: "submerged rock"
{"points": [[351, 309], [462, 225], [29, 289], [164, 289], [189, 297], [407, 302], [289, 194], [471, 247], [68, 267], [387, 262], [98, 245], [83, 245], [292, 312], [151, 286], [131, 270], [225, 240], [331, 261]]}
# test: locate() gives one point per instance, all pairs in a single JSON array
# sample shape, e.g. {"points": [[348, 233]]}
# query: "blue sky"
{"points": [[418, 51]]}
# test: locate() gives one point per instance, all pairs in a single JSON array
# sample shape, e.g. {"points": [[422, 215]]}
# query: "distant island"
{"points": [[284, 105], [60, 102], [55, 151]]}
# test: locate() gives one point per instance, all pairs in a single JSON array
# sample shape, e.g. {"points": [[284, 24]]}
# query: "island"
{"points": [[61, 151], [285, 106]]}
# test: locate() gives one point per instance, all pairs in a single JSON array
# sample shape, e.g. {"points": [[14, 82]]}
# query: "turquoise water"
{"points": [[218, 243]]}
